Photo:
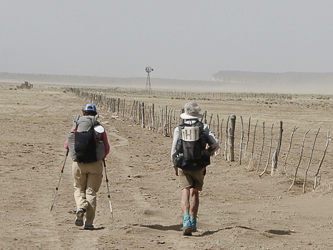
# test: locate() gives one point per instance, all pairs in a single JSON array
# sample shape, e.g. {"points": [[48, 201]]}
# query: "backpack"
{"points": [[83, 143], [191, 147]]}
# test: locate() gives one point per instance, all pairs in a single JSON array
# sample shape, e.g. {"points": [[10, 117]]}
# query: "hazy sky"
{"points": [[180, 39]]}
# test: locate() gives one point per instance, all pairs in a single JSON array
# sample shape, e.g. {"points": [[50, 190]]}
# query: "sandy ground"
{"points": [[237, 209]]}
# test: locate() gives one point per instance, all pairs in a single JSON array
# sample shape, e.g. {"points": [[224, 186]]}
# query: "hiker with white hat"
{"points": [[190, 156], [88, 145]]}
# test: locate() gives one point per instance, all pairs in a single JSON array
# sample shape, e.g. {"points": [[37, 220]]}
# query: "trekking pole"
{"points": [[107, 184], [62, 170]]}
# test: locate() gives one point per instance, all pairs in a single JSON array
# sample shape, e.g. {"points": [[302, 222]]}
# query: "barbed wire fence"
{"points": [[187, 94], [266, 148]]}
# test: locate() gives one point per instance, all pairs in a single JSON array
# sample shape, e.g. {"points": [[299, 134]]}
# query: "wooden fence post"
{"points": [[241, 142], [124, 106], [205, 117], [221, 133], [226, 140], [300, 159], [253, 143], [210, 120], [231, 138], [165, 121], [307, 169], [263, 142], [143, 115], [218, 126], [291, 140], [248, 134], [269, 152], [153, 117], [140, 113], [181, 121], [321, 161], [277, 151]]}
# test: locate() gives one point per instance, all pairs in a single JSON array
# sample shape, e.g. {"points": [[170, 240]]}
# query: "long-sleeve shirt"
{"points": [[103, 138], [212, 141]]}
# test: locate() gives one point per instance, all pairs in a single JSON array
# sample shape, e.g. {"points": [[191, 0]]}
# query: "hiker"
{"points": [[88, 145], [190, 156]]}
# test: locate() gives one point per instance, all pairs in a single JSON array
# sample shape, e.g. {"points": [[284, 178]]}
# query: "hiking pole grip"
{"points": [[62, 170], [107, 185]]}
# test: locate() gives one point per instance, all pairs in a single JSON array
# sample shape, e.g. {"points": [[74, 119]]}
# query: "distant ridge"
{"points": [[272, 78]]}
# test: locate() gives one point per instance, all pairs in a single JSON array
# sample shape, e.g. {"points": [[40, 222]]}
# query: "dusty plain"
{"points": [[238, 210]]}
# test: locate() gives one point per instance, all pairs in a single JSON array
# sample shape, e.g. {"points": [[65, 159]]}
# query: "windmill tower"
{"points": [[148, 85]]}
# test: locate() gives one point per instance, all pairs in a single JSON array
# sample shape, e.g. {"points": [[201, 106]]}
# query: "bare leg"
{"points": [[194, 202], [185, 204], [185, 201]]}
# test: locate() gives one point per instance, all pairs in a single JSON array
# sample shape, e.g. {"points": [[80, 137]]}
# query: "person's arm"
{"points": [[105, 141], [173, 148], [212, 141]]}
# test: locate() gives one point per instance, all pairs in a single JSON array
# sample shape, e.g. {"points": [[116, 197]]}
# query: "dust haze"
{"points": [[187, 40], [304, 84]]}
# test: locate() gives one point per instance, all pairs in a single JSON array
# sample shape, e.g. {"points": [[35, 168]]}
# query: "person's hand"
{"points": [[176, 172]]}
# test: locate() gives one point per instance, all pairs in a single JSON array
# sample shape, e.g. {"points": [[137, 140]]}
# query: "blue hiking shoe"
{"points": [[187, 228], [193, 221], [79, 217]]}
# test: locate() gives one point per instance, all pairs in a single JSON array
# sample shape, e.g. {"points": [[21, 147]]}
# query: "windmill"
{"points": [[148, 85]]}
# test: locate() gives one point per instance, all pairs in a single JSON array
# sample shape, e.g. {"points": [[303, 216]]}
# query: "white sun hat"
{"points": [[192, 110]]}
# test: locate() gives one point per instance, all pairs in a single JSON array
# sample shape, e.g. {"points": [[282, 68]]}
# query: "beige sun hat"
{"points": [[192, 110]]}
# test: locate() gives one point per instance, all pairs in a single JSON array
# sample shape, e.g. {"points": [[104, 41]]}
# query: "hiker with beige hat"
{"points": [[193, 145]]}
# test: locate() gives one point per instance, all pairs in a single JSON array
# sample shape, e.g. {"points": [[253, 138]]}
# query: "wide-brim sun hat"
{"points": [[192, 111]]}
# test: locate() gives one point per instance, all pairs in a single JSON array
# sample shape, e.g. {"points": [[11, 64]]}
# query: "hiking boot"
{"points": [[91, 227], [79, 217], [193, 221], [187, 228]]}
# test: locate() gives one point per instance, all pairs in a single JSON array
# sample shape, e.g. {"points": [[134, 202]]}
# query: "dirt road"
{"points": [[237, 210]]}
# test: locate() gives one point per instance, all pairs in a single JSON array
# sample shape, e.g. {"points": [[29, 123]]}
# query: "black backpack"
{"points": [[191, 147], [84, 143]]}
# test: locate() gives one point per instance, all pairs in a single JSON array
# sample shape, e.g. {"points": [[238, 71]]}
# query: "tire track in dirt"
{"points": [[141, 191], [92, 238], [33, 155]]}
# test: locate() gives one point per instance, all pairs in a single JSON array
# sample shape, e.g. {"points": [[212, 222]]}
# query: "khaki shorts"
{"points": [[192, 179]]}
